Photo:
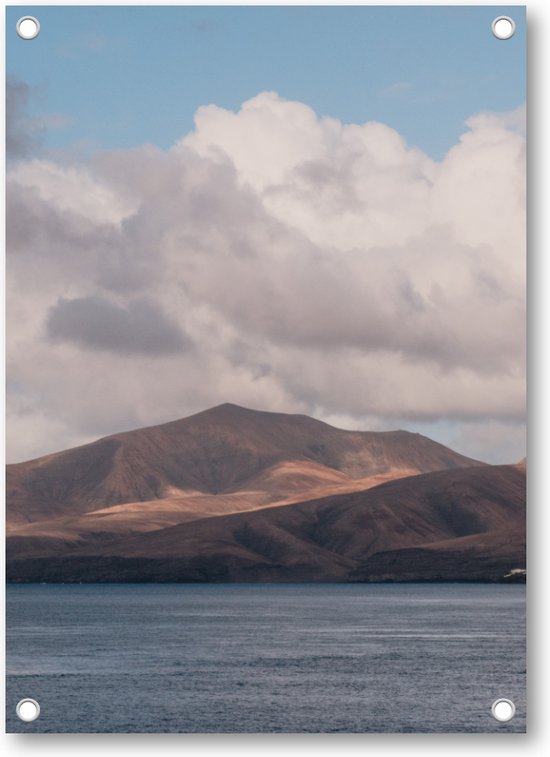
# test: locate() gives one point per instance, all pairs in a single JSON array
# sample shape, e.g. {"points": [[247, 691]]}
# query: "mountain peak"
{"points": [[229, 412], [221, 451], [230, 407], [226, 408]]}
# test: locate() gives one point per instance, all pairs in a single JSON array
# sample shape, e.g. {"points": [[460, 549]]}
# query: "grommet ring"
{"points": [[27, 710], [503, 710], [28, 27], [503, 27]]}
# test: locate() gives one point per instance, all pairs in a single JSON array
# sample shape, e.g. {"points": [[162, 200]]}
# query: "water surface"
{"points": [[265, 657]]}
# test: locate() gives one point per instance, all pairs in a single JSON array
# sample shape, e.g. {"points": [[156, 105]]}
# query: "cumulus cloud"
{"points": [[314, 266]]}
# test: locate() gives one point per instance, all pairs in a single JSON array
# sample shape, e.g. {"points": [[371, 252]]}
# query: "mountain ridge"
{"points": [[217, 451], [237, 494]]}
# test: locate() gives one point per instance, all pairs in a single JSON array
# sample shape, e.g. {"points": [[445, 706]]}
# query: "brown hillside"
{"points": [[225, 450], [464, 524]]}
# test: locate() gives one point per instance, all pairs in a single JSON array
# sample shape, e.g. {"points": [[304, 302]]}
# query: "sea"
{"points": [[265, 658]]}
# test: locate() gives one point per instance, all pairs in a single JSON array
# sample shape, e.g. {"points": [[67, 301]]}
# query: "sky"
{"points": [[314, 210], [124, 76]]}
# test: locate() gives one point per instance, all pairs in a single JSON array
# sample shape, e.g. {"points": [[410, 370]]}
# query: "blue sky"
{"points": [[123, 76], [159, 284]]}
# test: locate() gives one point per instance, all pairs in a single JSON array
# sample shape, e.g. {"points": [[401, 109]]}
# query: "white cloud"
{"points": [[314, 267], [72, 189]]}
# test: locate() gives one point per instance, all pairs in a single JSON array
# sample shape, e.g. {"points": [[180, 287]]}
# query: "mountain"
{"points": [[219, 461], [238, 494], [464, 524]]}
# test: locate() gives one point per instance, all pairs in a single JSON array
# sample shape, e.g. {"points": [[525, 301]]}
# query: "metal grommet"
{"points": [[28, 27], [503, 710], [503, 27], [27, 710]]}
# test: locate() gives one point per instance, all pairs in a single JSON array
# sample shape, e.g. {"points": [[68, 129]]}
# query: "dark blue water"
{"points": [[265, 657]]}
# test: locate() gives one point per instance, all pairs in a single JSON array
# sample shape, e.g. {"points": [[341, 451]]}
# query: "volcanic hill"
{"points": [[233, 494]]}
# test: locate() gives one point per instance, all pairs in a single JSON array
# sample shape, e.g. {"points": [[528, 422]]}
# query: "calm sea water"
{"points": [[265, 657]]}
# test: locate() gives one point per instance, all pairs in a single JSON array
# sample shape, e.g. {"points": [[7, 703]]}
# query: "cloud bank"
{"points": [[278, 260]]}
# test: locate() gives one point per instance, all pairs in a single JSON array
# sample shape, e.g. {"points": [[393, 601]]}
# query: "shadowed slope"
{"points": [[470, 522]]}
